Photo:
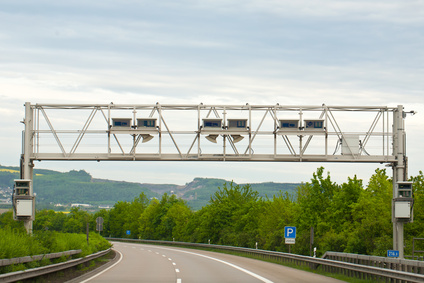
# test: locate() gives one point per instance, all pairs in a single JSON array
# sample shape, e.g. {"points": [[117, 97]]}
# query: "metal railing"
{"points": [[406, 265], [35, 272], [26, 259], [351, 269]]}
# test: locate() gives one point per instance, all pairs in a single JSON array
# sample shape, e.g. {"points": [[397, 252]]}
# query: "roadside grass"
{"points": [[16, 243]]}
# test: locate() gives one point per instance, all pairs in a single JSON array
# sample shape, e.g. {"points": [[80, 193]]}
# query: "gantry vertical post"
{"points": [[27, 164], [398, 175]]}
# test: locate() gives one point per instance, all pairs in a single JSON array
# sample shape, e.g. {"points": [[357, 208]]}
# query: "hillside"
{"points": [[54, 187]]}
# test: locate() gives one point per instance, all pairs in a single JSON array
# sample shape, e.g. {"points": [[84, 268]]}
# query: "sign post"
{"points": [[99, 224], [290, 235]]}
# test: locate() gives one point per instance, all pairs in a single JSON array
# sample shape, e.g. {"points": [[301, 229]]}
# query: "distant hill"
{"points": [[54, 187]]}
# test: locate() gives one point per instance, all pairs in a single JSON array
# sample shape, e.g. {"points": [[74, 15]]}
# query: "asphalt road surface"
{"points": [[151, 263]]}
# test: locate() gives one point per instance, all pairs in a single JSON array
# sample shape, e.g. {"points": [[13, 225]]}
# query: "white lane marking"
{"points": [[141, 249], [169, 258], [164, 255], [156, 253], [179, 280], [263, 279], [177, 270], [92, 277], [150, 251], [174, 263]]}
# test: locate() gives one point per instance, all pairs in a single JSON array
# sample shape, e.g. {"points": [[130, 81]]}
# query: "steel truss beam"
{"points": [[263, 122]]}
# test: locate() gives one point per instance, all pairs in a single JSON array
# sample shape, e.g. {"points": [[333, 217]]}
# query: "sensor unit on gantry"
{"points": [[404, 201], [350, 144], [121, 123], [237, 124], [212, 124], [146, 123], [23, 201], [236, 127], [289, 125], [315, 125]]}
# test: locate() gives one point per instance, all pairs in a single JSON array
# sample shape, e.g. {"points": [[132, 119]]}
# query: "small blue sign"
{"points": [[128, 232], [391, 253], [290, 232]]}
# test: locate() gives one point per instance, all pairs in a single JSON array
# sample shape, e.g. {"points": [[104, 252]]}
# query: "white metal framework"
{"points": [[267, 136], [269, 133]]}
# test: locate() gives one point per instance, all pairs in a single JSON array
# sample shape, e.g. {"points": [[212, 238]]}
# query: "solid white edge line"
{"points": [[92, 277], [263, 279]]}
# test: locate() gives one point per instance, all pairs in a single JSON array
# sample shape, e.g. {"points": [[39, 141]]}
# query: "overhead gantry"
{"points": [[256, 133]]}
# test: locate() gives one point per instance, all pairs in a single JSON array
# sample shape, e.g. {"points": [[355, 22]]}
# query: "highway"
{"points": [[152, 263]]}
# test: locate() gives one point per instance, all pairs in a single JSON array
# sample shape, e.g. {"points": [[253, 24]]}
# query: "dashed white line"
{"points": [[179, 280], [169, 258], [177, 270], [164, 255], [174, 263], [263, 279]]}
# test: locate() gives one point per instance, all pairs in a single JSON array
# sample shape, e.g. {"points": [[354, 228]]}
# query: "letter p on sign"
{"points": [[290, 232]]}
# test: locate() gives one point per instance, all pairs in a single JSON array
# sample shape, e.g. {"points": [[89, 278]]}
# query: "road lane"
{"points": [[151, 263], [138, 265]]}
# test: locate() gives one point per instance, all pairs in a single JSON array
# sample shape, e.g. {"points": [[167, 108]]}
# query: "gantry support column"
{"points": [[399, 174], [27, 165]]}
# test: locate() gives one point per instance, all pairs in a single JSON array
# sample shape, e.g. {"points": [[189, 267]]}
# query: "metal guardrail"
{"points": [[35, 272], [407, 265], [26, 259], [366, 272]]}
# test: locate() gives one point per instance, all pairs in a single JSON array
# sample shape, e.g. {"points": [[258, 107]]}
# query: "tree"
{"points": [[278, 212], [416, 229], [118, 218], [314, 201], [160, 219], [76, 222], [372, 229], [225, 219]]}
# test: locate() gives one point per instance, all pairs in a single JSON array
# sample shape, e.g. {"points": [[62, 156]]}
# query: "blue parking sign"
{"points": [[128, 232], [290, 232]]}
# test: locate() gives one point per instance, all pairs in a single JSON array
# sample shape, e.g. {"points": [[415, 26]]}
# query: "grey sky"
{"points": [[227, 52]]}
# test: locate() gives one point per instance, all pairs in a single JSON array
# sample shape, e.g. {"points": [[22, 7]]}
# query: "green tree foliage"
{"points": [[314, 200], [349, 217], [278, 212], [7, 222], [416, 229], [77, 220], [164, 219], [230, 217], [372, 227], [124, 216]]}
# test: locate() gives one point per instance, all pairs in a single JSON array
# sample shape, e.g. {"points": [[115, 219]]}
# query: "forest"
{"points": [[64, 188], [349, 217]]}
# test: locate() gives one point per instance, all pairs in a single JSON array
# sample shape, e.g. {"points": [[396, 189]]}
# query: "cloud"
{"points": [[215, 52]]}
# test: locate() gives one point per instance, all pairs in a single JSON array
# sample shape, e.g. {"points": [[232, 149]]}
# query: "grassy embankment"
{"points": [[15, 243]]}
